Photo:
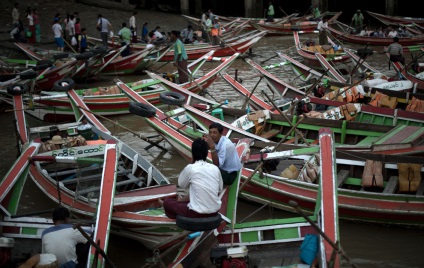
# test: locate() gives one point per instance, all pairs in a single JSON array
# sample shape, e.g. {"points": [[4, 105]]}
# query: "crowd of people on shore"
{"points": [[68, 32]]}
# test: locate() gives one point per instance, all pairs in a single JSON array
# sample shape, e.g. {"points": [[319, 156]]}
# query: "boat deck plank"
{"points": [[420, 190], [391, 185], [341, 177]]}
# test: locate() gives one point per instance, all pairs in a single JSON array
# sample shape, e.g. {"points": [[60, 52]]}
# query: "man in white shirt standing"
{"points": [[204, 182], [15, 14], [322, 28], [105, 27], [133, 27], [58, 33]]}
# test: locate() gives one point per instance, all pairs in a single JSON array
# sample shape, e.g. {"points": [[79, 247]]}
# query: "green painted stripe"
{"points": [[90, 161], [335, 130], [29, 230], [269, 222]]}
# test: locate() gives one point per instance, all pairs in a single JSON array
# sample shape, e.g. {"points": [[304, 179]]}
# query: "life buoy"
{"points": [[64, 85], [198, 224], [141, 109], [17, 89], [172, 98]]}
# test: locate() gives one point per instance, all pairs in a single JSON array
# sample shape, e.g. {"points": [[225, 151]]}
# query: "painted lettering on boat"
{"points": [[79, 151]]}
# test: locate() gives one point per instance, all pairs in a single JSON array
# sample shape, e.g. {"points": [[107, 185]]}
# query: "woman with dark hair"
{"points": [[204, 182]]}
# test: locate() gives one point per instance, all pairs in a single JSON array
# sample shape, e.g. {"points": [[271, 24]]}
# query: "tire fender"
{"points": [[17, 89], [64, 85], [141, 109], [172, 98], [198, 224]]}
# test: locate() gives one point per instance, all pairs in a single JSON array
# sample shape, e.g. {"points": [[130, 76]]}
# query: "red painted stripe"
{"points": [[17, 169], [105, 206], [74, 96], [20, 118]]}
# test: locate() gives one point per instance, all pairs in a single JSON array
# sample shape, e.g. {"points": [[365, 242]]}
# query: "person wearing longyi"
{"points": [[396, 51], [204, 182], [224, 153]]}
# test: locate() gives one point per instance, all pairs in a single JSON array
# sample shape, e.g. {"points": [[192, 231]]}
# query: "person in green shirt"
{"points": [[180, 57], [125, 35], [358, 20], [316, 12], [270, 12]]}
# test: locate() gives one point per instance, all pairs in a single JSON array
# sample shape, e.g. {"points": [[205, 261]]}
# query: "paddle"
{"points": [[335, 246], [251, 93]]}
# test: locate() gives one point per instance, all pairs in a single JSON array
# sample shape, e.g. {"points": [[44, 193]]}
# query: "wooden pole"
{"points": [[251, 93], [92, 243], [335, 246], [287, 119]]}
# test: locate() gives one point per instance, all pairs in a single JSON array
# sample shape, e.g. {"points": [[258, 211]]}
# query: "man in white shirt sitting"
{"points": [[204, 182]]}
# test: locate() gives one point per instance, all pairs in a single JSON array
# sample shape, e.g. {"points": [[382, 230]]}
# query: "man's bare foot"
{"points": [[160, 202]]}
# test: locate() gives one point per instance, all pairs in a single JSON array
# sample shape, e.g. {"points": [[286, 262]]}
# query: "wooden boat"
{"points": [[249, 242], [406, 72], [89, 64], [307, 74], [240, 44], [363, 113], [278, 191], [78, 170], [229, 29], [53, 107], [192, 248], [386, 19], [290, 27], [345, 35], [100, 61], [308, 53], [264, 241]]}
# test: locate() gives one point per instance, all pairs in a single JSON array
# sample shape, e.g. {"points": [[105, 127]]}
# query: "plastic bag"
{"points": [[309, 248], [28, 33], [74, 41]]}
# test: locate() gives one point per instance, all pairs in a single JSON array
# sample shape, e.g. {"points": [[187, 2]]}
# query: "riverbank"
{"points": [[88, 16]]}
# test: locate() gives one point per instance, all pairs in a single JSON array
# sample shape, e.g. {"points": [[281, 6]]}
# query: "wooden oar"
{"points": [[127, 129], [251, 93], [94, 244], [335, 246], [287, 119]]}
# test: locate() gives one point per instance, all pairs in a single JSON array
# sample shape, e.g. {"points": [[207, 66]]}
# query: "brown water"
{"points": [[367, 245]]}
